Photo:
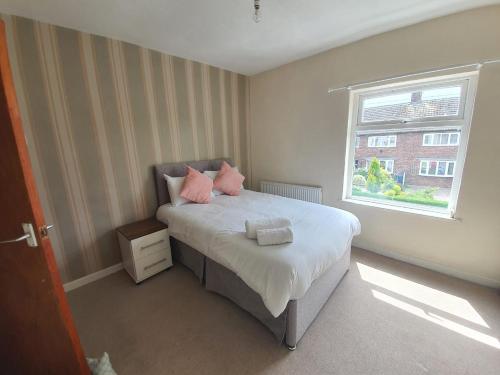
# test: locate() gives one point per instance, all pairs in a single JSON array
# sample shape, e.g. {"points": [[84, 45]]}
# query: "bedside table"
{"points": [[145, 248]]}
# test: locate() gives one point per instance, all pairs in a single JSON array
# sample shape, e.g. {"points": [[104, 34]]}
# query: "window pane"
{"points": [[389, 166], [420, 103], [432, 167], [441, 139], [423, 167], [423, 176], [451, 167], [382, 141], [441, 168]]}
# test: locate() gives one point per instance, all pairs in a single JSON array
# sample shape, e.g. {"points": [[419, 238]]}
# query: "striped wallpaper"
{"points": [[98, 114]]}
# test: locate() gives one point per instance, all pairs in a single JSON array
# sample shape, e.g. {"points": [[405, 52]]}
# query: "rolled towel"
{"points": [[274, 236], [252, 226]]}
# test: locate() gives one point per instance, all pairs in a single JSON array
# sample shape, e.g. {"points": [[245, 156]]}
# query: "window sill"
{"points": [[415, 211], [434, 175]]}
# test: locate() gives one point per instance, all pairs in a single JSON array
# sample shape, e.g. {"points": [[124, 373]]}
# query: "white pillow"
{"points": [[213, 175], [174, 185], [237, 170]]}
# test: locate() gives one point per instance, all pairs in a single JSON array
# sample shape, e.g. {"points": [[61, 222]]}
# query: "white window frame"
{"points": [[385, 160], [462, 125], [388, 161], [432, 135], [362, 160], [375, 138], [429, 161]]}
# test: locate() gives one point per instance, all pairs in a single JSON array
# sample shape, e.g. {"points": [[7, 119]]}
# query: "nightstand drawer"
{"points": [[149, 265], [149, 244]]}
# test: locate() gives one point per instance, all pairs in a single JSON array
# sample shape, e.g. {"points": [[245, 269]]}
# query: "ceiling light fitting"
{"points": [[256, 14]]}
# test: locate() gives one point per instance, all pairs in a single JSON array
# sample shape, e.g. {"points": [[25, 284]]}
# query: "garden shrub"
{"points": [[427, 193], [388, 185], [375, 176], [372, 184], [362, 171], [378, 178], [359, 180], [390, 193]]}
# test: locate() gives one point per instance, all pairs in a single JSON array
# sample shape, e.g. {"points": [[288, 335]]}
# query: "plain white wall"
{"points": [[298, 135]]}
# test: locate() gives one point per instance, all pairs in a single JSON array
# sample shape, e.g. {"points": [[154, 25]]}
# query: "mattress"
{"points": [[277, 273]]}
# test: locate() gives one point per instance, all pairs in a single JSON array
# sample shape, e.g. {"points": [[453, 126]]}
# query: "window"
{"points": [[441, 139], [360, 164], [440, 168], [358, 139], [388, 165], [382, 141], [434, 111]]}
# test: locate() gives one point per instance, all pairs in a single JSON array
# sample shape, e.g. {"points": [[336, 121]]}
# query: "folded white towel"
{"points": [[274, 236], [252, 226]]}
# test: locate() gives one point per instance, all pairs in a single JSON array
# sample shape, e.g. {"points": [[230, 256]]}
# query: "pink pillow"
{"points": [[228, 180], [224, 168], [197, 187]]}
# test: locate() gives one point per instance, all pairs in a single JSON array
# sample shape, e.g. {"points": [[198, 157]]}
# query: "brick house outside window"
{"points": [[424, 158]]}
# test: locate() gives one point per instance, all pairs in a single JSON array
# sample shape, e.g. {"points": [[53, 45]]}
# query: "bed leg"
{"points": [[291, 348]]}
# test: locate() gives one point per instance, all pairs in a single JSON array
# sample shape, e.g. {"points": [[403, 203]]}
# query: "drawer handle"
{"points": [[151, 244], [155, 264]]}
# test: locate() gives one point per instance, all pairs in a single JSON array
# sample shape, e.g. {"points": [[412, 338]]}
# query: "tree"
{"points": [[376, 176]]}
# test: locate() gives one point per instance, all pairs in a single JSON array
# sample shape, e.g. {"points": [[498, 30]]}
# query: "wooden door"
{"points": [[37, 334]]}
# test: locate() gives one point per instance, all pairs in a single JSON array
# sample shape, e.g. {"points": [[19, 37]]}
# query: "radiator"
{"points": [[304, 193]]}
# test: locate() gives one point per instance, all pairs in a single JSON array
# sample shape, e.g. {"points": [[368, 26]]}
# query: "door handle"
{"points": [[19, 239], [29, 236], [44, 230]]}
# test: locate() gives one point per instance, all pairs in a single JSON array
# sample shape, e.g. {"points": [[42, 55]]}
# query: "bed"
{"points": [[283, 286]]}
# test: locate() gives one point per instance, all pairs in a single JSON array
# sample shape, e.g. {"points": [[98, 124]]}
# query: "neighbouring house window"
{"points": [[387, 164], [440, 168], [360, 164], [382, 141], [400, 122], [441, 139]]}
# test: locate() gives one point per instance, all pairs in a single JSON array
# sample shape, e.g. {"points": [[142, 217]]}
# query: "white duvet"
{"points": [[277, 273]]}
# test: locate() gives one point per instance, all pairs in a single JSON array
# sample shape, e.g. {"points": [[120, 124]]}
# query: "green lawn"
{"points": [[408, 198]]}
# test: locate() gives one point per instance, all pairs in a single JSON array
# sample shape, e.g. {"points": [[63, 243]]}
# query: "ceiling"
{"points": [[223, 33]]}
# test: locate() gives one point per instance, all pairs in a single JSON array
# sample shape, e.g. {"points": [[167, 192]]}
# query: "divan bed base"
{"points": [[299, 314]]}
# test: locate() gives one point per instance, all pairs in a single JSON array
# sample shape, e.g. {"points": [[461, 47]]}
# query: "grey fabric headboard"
{"points": [[179, 170]]}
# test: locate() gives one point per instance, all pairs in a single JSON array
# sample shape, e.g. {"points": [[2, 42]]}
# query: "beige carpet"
{"points": [[386, 317]]}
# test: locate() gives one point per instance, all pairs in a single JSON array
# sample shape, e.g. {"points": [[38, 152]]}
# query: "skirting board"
{"points": [[92, 277], [404, 258], [436, 267]]}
